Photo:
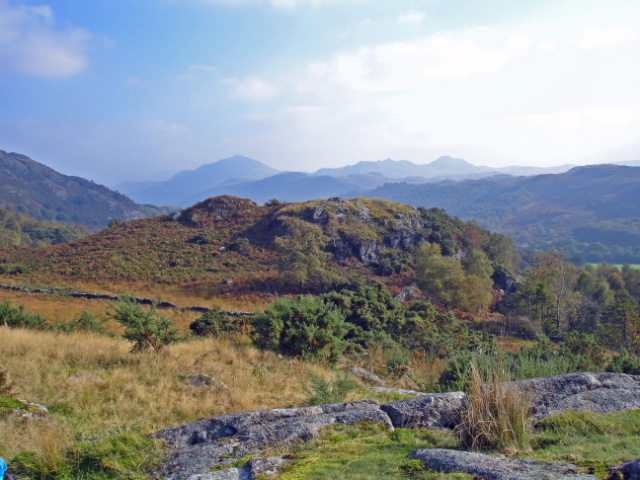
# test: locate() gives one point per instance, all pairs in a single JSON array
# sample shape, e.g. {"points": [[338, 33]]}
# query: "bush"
{"points": [[624, 362], [213, 323], [496, 414], [308, 326], [86, 322], [335, 390], [16, 317], [147, 329]]}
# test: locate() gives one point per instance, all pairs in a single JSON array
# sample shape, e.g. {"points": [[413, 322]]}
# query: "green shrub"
{"points": [[147, 329], [86, 322], [307, 326], [214, 323], [624, 362], [16, 317], [335, 390]]}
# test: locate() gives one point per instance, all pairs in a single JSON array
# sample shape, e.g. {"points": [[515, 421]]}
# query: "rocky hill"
{"points": [[41, 192], [231, 240]]}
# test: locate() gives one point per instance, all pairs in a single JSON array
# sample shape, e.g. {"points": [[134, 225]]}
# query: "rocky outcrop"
{"points": [[431, 410], [497, 468], [202, 444], [600, 392], [366, 375]]}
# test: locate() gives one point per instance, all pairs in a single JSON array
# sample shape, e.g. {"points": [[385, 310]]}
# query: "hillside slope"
{"points": [[583, 209], [228, 238], [41, 192]]}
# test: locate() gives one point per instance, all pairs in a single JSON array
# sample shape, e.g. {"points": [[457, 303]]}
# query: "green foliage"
{"points": [[239, 244], [123, 455], [214, 323], [146, 329], [307, 326], [86, 322], [544, 359], [17, 317], [624, 362], [302, 259], [22, 231], [463, 285], [334, 390]]}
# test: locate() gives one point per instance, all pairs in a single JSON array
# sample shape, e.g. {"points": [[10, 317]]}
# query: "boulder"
{"points": [[202, 444], [600, 392], [430, 410], [630, 470], [496, 468], [366, 375]]}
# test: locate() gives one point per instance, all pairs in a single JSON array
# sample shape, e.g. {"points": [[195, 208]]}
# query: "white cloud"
{"points": [[412, 17], [276, 4], [31, 44], [252, 89], [606, 37]]}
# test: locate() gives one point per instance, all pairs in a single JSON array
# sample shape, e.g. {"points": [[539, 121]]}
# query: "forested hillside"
{"points": [[592, 212]]}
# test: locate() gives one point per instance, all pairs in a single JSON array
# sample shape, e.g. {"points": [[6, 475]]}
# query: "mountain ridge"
{"points": [[45, 194]]}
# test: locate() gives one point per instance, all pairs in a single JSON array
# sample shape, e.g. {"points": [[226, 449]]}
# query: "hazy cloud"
{"points": [[412, 17], [32, 44], [605, 37], [252, 89]]}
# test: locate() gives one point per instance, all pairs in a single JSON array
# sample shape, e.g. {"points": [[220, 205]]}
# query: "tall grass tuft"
{"points": [[496, 414]]}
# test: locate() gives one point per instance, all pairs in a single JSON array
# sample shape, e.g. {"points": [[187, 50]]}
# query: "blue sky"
{"points": [[117, 90]]}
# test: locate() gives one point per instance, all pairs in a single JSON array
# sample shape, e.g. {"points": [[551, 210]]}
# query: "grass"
{"points": [[141, 393], [367, 451], [592, 441]]}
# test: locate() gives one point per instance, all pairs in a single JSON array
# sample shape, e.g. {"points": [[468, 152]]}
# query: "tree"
{"points": [[302, 259], [147, 329]]}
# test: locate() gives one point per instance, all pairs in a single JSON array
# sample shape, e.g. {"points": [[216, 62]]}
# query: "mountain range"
{"points": [[249, 178], [34, 189]]}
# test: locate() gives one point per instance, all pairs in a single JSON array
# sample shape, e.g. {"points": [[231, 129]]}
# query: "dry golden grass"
{"points": [[496, 414], [139, 390]]}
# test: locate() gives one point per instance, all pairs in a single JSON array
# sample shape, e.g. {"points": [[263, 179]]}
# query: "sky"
{"points": [[117, 90]]}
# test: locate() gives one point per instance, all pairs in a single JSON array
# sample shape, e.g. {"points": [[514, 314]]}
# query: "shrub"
{"points": [[624, 362], [147, 329], [86, 322], [214, 323], [307, 326], [495, 415], [16, 317], [335, 390]]}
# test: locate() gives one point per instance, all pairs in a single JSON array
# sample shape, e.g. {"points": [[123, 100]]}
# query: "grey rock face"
{"points": [[204, 443], [254, 467], [399, 391], [630, 470], [497, 468], [367, 376], [431, 410], [600, 392]]}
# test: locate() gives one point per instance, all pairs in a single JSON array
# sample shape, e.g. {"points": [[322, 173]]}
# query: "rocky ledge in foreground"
{"points": [[497, 468], [202, 444]]}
